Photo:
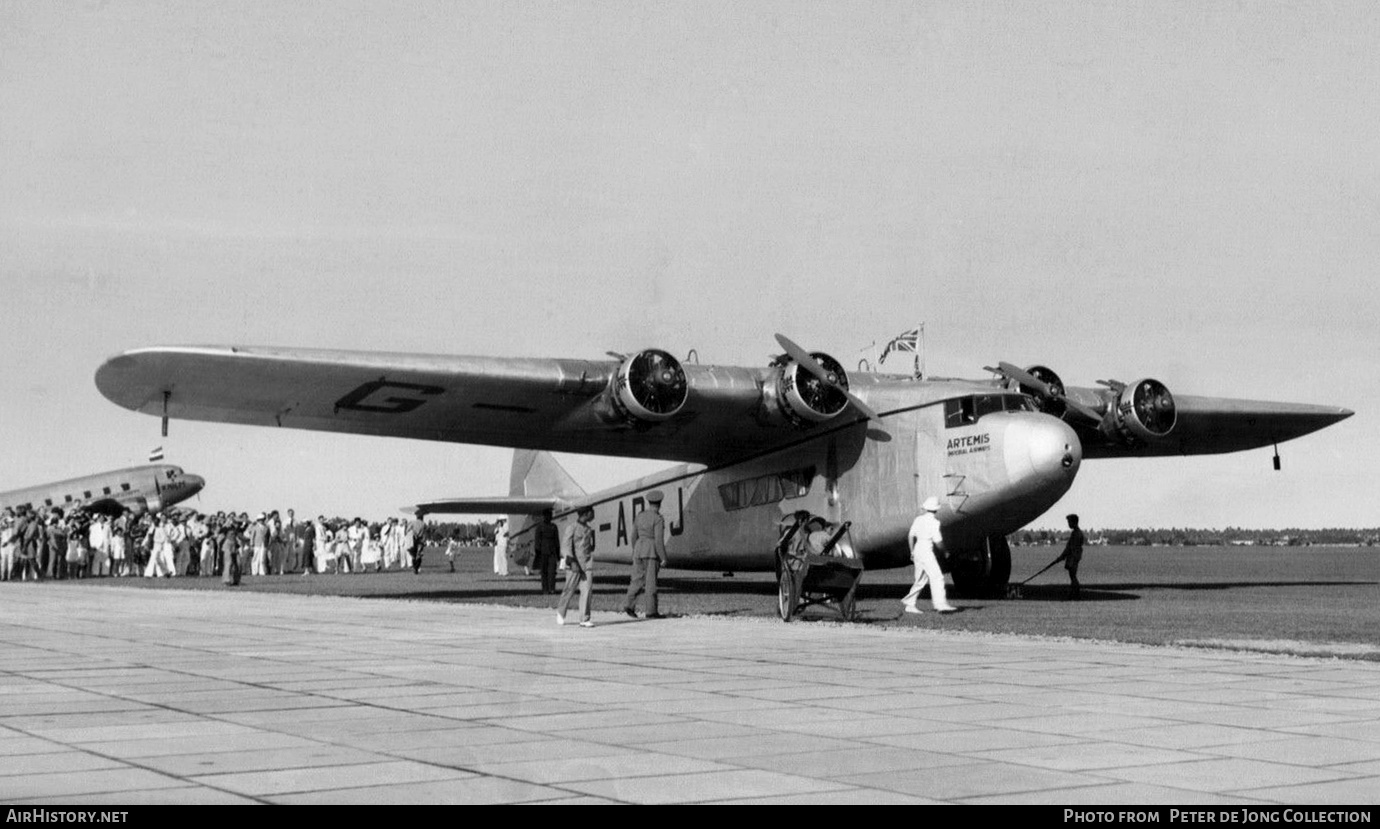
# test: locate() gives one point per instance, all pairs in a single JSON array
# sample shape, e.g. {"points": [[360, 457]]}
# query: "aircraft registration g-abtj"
{"points": [[756, 444], [137, 489]]}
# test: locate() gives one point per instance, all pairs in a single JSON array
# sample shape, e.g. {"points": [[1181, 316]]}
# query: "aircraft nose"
{"points": [[196, 482], [1044, 449]]}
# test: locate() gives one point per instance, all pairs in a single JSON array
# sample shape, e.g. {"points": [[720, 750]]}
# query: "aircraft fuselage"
{"points": [[994, 464]]}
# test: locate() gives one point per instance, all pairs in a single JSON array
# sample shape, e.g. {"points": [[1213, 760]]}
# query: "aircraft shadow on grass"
{"points": [[1223, 585], [612, 588]]}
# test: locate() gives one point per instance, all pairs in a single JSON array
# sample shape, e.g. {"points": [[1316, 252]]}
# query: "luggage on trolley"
{"points": [[816, 564]]}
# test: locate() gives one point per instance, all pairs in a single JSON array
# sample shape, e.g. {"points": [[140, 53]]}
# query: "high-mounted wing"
{"points": [[647, 405]]}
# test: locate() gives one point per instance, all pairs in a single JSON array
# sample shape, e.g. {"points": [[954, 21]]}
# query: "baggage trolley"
{"points": [[815, 569]]}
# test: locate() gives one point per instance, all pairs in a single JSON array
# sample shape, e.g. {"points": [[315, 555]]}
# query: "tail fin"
{"points": [[535, 475], [538, 473]]}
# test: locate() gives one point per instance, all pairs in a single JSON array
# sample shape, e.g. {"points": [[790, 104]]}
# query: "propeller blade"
{"points": [[807, 362], [861, 406], [803, 358], [1025, 378]]}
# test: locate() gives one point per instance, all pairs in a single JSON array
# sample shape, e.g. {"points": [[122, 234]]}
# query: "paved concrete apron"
{"points": [[116, 695]]}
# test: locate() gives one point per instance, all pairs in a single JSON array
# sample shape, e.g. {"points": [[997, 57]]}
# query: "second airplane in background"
{"points": [[137, 489]]}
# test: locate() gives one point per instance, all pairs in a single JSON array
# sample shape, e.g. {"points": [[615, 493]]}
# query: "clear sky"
{"points": [[1187, 191]]}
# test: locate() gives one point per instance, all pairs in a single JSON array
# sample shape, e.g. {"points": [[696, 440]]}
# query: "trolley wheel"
{"points": [[787, 595]]}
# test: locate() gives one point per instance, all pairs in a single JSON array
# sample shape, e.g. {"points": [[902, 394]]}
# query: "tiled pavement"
{"points": [[114, 695]]}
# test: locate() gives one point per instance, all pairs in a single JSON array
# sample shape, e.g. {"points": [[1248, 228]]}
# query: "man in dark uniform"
{"points": [[649, 553], [578, 547], [230, 541], [33, 537], [1073, 553], [415, 540], [55, 541], [306, 545], [546, 549]]}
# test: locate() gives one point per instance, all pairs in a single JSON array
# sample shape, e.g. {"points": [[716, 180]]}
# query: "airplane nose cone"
{"points": [[196, 482], [1042, 449]]}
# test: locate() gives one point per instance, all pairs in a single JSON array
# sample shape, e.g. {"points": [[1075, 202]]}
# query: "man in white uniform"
{"points": [[925, 539], [501, 547]]}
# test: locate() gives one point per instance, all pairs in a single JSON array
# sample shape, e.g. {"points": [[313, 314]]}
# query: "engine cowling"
{"points": [[650, 386], [1051, 404], [1144, 411], [800, 397]]}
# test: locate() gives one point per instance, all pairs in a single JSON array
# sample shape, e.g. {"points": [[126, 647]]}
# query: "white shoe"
{"points": [[586, 624], [560, 620], [910, 608]]}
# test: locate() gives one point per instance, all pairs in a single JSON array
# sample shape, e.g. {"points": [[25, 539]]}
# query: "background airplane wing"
{"points": [[553, 404]]}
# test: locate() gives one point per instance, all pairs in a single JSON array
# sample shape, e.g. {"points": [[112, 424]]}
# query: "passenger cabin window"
{"points": [[87, 493], [124, 487], [767, 489], [965, 411], [48, 502], [68, 498], [105, 490]]}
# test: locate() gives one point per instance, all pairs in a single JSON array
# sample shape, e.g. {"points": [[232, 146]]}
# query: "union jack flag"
{"points": [[907, 341]]}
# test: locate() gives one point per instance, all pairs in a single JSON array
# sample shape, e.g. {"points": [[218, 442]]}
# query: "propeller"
{"points": [[1053, 392], [830, 379], [1154, 406], [660, 382]]}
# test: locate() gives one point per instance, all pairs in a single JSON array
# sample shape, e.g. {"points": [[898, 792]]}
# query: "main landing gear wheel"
{"points": [[983, 573]]}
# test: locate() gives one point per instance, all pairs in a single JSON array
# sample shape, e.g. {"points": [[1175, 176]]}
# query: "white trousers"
{"points": [[927, 571], [160, 562]]}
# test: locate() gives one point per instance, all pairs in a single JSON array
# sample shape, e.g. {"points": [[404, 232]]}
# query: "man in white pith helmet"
{"points": [[926, 540]]}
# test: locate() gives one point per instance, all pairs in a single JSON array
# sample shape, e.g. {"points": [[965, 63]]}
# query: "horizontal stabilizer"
{"points": [[504, 505]]}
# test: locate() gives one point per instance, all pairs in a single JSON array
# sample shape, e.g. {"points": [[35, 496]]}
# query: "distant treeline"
{"points": [[1178, 537], [479, 533]]}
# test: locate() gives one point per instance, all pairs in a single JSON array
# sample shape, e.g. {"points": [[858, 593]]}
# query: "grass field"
{"points": [[1303, 600]]}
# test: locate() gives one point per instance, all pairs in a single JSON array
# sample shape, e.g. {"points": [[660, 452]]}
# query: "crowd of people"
{"points": [[36, 545]]}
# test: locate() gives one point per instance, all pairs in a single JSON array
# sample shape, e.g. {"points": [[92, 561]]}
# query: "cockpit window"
{"points": [[964, 411]]}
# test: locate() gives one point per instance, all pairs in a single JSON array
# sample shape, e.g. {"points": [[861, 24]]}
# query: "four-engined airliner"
{"points": [[754, 443]]}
